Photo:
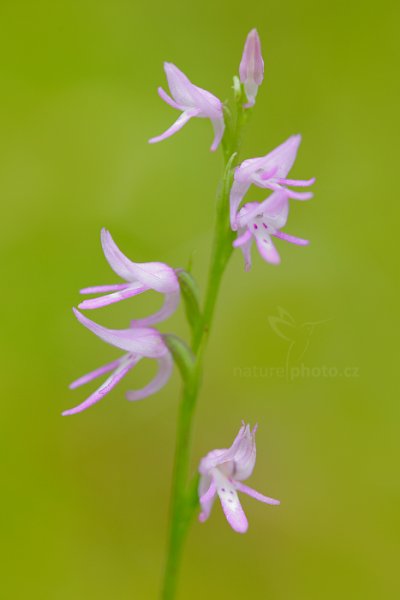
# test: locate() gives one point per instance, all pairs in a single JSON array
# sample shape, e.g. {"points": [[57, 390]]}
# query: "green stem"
{"points": [[185, 497]]}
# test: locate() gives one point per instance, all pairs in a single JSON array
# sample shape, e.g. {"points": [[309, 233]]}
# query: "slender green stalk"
{"points": [[184, 495]]}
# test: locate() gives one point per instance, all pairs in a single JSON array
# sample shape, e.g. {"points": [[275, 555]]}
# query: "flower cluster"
{"points": [[139, 340], [222, 471]]}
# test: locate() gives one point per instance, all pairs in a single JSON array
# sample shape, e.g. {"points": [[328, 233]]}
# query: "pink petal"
{"points": [[96, 373], [250, 492], [244, 237], [299, 195], [219, 127], [190, 96], [246, 250], [142, 341], [275, 210], [217, 457], [102, 289], [207, 493], [296, 182], [170, 305], [106, 387], [164, 96], [280, 160], [245, 455], [179, 123], [238, 192], [272, 185], [182, 89], [237, 461], [130, 290], [155, 275], [165, 364], [290, 238]]}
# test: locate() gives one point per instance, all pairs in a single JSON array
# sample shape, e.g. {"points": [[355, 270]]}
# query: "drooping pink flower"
{"points": [[138, 342], [139, 278], [222, 472], [251, 68], [270, 172], [258, 222], [193, 101]]}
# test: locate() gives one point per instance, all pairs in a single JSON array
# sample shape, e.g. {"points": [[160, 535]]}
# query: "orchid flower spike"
{"points": [[269, 172], [259, 221], [139, 278], [251, 68], [138, 343], [222, 472], [193, 102]]}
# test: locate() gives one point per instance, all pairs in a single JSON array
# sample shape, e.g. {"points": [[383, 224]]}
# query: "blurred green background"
{"points": [[85, 499]]}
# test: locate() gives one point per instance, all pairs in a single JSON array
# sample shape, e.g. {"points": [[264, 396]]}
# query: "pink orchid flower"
{"points": [[270, 172], [139, 278], [222, 472], [258, 222], [138, 343], [193, 101], [251, 68]]}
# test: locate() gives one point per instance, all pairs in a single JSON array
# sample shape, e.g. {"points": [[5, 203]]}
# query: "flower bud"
{"points": [[251, 68]]}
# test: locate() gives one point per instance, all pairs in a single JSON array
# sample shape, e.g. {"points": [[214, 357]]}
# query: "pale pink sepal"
{"points": [[144, 341]]}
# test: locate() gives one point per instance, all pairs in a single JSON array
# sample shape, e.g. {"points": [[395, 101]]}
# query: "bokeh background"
{"points": [[85, 499]]}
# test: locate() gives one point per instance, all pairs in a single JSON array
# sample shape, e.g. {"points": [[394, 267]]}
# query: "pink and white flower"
{"points": [[193, 101], [138, 342], [251, 68], [258, 222], [222, 473], [139, 277], [269, 172]]}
